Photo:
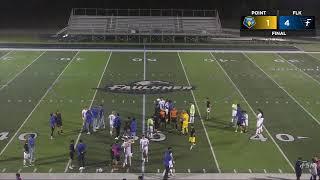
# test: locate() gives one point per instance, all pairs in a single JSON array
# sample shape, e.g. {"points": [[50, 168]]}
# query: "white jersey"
{"points": [[111, 119], [260, 120], [234, 110], [127, 147], [246, 116], [84, 111], [162, 104], [144, 143]]}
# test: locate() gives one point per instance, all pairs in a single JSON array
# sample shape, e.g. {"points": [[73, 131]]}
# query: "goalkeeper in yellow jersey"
{"points": [[185, 123], [192, 137]]}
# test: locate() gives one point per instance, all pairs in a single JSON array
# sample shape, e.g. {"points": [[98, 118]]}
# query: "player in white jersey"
{"points": [[166, 108], [127, 151], [246, 122], [111, 120], [83, 113], [260, 119], [162, 103], [234, 114], [144, 148]]}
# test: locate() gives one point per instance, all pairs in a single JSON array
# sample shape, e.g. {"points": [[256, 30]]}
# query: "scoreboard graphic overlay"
{"points": [[277, 23]]}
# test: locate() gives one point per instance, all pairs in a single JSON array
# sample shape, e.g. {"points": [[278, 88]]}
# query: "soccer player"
{"points": [[240, 122], [260, 119], [173, 117], [192, 138], [133, 128], [52, 122], [166, 159], [111, 121], [192, 112], [83, 113], [95, 113], [162, 103], [26, 155], [185, 123], [171, 163], [81, 150], [144, 148], [246, 122], [162, 116], [32, 147], [117, 125], [238, 115], [89, 121], [59, 122], [116, 149], [208, 104], [127, 151], [71, 153], [101, 122], [234, 114], [150, 125]]}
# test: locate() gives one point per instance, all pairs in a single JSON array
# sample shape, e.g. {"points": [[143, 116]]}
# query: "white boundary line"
{"points": [[48, 90], [294, 99], [240, 93], [310, 54], [1, 58], [281, 57], [144, 106], [205, 130], [94, 96], [8, 82], [158, 50]]}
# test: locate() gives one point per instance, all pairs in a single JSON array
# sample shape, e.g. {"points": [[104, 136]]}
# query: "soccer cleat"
{"points": [[235, 131], [88, 133], [70, 167]]}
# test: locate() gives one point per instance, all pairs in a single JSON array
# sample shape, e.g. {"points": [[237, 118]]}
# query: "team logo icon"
{"points": [[249, 22]]}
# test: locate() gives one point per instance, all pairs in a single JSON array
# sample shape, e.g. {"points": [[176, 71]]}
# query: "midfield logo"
{"points": [[146, 87]]}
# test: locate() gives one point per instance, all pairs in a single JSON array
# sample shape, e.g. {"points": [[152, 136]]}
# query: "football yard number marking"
{"points": [[289, 60], [220, 60], [7, 58], [69, 59], [141, 59], [21, 137]]}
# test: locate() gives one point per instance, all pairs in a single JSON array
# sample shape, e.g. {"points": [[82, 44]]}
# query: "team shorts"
{"points": [[208, 110], [26, 155], [234, 113]]}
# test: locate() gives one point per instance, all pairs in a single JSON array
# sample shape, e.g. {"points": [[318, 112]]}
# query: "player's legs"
{"points": [[88, 127], [111, 129]]}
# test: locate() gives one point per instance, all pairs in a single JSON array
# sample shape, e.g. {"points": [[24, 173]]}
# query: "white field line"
{"points": [[8, 82], [46, 93], [310, 54], [144, 106], [94, 96], [156, 50], [205, 130], [245, 100], [298, 68], [6, 54], [294, 99]]}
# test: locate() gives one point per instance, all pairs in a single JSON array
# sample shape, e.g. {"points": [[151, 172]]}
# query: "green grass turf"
{"points": [[228, 145], [73, 91]]}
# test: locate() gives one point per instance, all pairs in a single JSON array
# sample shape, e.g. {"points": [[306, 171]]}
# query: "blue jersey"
{"points": [[52, 121], [31, 142], [89, 117], [241, 119], [133, 126], [81, 148], [117, 122], [239, 113], [166, 158], [101, 112], [95, 112]]}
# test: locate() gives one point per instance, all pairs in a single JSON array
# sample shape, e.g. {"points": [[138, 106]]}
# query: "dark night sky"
{"points": [[16, 13]]}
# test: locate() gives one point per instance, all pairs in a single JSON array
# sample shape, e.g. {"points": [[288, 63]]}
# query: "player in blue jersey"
{"points": [[95, 113], [240, 122], [52, 123], [89, 121], [81, 150], [101, 123]]}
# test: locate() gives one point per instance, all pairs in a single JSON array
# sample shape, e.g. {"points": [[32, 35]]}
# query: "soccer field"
{"points": [[286, 86]]}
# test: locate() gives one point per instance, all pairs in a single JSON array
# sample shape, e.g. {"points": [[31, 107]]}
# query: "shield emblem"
{"points": [[249, 22]]}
